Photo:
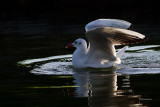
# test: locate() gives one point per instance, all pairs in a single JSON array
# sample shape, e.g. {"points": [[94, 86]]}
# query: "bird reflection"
{"points": [[102, 90]]}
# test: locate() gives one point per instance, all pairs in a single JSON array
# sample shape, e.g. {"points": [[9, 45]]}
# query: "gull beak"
{"points": [[69, 45]]}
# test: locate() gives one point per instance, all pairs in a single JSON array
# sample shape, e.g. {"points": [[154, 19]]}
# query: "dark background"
{"points": [[80, 11]]}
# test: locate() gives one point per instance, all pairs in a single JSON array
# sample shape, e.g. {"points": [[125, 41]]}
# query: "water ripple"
{"points": [[137, 60]]}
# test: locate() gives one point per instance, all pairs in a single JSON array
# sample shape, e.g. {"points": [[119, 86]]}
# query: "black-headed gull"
{"points": [[103, 35]]}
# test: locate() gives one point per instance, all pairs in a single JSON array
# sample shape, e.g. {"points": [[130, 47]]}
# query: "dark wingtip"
{"points": [[145, 39]]}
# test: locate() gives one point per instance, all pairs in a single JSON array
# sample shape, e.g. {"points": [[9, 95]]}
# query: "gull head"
{"points": [[78, 43]]}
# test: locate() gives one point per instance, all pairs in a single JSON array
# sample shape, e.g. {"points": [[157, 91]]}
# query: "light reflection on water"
{"points": [[101, 88], [54, 68]]}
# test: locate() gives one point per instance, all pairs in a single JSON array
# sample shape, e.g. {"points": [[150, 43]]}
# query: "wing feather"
{"points": [[102, 41], [117, 23], [116, 35]]}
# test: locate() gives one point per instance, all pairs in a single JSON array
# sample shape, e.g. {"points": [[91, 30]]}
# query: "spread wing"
{"points": [[117, 23], [102, 41]]}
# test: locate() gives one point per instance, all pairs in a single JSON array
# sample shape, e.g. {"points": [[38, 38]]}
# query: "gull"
{"points": [[103, 35]]}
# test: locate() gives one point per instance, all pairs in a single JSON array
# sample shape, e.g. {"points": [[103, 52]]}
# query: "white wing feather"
{"points": [[107, 23]]}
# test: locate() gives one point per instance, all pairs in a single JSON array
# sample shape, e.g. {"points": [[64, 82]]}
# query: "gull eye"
{"points": [[79, 43], [75, 42]]}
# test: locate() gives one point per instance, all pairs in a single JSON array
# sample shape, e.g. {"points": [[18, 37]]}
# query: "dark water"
{"points": [[31, 75]]}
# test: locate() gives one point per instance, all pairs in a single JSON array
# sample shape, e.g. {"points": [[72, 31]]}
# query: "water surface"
{"points": [[36, 70]]}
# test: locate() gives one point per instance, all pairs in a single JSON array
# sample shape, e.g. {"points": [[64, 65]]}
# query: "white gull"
{"points": [[103, 35]]}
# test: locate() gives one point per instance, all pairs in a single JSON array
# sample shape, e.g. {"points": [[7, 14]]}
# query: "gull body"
{"points": [[103, 35]]}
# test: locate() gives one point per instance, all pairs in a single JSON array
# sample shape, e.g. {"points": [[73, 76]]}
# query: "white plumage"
{"points": [[103, 35], [107, 23]]}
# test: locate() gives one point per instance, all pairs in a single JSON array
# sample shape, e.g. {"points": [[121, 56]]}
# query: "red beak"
{"points": [[69, 45]]}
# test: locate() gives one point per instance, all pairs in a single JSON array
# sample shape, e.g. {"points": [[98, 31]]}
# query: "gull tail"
{"points": [[120, 52]]}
